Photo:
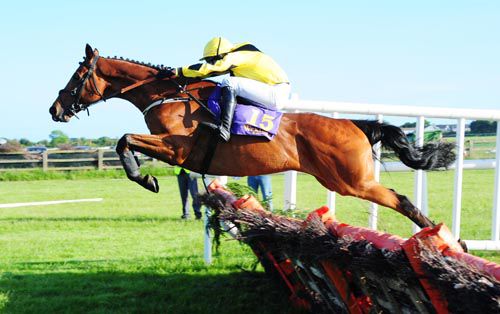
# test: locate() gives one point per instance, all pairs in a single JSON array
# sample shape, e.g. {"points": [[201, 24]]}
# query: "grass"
{"points": [[39, 174], [478, 147], [132, 253]]}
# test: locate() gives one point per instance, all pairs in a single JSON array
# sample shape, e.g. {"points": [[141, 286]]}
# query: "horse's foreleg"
{"points": [[150, 145]]}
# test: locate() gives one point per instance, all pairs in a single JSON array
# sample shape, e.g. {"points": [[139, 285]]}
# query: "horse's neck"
{"points": [[120, 74]]}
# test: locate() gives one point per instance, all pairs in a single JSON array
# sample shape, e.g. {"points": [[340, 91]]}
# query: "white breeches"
{"points": [[271, 96]]}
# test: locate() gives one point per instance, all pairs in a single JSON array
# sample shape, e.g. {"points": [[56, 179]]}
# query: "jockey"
{"points": [[253, 75]]}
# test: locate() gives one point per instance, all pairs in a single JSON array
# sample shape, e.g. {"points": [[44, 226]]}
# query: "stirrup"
{"points": [[209, 125], [214, 128]]}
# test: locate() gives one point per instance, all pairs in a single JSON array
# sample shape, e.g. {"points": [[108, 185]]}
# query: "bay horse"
{"points": [[337, 152]]}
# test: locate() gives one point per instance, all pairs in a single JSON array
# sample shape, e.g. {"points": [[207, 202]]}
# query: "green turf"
{"points": [[39, 174], [132, 253]]}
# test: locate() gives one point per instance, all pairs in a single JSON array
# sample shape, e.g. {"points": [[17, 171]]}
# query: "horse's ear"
{"points": [[96, 52], [89, 53]]}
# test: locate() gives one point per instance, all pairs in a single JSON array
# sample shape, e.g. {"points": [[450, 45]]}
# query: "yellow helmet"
{"points": [[216, 46]]}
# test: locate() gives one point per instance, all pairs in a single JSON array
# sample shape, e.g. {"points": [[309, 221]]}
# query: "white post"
{"points": [[373, 219], [419, 174], [290, 190], [290, 193], [495, 230], [459, 166], [207, 244], [425, 195], [222, 180], [330, 195], [330, 201], [207, 234]]}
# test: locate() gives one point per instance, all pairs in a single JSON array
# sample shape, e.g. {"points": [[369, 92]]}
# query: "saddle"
{"points": [[250, 118]]}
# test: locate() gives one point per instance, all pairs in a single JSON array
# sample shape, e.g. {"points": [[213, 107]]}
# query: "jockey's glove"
{"points": [[166, 73]]}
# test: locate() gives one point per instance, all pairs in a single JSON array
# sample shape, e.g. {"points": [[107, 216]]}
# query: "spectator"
{"points": [[264, 183], [187, 184]]}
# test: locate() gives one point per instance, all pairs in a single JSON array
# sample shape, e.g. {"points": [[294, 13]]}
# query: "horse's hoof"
{"points": [[151, 183], [463, 245]]}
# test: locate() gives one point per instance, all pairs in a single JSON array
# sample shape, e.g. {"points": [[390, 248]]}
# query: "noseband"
{"points": [[76, 92]]}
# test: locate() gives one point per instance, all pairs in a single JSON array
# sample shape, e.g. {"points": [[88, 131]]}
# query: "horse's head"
{"points": [[83, 89]]}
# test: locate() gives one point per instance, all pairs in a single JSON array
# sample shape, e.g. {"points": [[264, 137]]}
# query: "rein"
{"points": [[180, 90], [78, 90], [186, 91]]}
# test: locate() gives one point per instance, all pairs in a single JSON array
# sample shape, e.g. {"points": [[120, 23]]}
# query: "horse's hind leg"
{"points": [[150, 145], [402, 204], [371, 190], [389, 198]]}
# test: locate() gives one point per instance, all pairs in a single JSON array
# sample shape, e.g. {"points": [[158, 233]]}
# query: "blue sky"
{"points": [[424, 53]]}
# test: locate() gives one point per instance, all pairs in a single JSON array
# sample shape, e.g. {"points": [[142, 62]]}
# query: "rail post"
{"points": [[372, 221], [290, 190], [45, 161], [459, 167], [496, 202], [100, 157], [330, 197], [419, 174]]}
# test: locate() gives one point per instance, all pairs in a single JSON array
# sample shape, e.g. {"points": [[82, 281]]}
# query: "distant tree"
{"points": [[414, 124], [57, 138], [11, 146], [481, 126], [42, 143], [80, 141], [104, 141], [26, 142]]}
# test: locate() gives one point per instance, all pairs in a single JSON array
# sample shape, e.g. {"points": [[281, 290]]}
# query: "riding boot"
{"points": [[228, 105]]}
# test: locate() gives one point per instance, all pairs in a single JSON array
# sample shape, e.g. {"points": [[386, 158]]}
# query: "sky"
{"points": [[419, 53]]}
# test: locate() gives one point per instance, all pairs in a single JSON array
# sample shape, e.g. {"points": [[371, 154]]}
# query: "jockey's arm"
{"points": [[203, 70]]}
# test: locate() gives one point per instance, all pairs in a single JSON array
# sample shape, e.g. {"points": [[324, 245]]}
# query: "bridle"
{"points": [[77, 92]]}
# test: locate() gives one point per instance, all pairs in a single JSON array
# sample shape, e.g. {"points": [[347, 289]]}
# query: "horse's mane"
{"points": [[153, 66], [156, 67]]}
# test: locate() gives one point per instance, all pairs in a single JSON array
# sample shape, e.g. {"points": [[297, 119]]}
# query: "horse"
{"points": [[337, 152]]}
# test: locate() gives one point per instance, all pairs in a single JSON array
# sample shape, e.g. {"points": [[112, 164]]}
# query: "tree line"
{"points": [[57, 139], [476, 127]]}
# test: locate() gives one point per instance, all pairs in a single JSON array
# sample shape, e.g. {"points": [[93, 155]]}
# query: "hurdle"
{"points": [[330, 267]]}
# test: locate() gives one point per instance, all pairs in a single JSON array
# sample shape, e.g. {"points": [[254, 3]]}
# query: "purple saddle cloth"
{"points": [[248, 120]]}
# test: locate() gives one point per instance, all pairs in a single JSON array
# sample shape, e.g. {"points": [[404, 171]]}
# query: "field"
{"points": [[480, 147], [132, 253]]}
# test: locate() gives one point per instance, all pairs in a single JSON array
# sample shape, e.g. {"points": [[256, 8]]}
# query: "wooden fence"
{"points": [[100, 159]]}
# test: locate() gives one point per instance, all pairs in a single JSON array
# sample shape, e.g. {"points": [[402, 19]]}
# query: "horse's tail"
{"points": [[430, 156]]}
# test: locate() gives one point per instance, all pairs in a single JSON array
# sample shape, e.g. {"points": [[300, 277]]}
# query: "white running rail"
{"points": [[420, 113]]}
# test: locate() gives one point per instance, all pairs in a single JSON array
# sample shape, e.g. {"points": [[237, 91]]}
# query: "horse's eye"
{"points": [[76, 76]]}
